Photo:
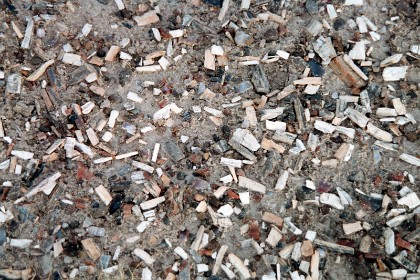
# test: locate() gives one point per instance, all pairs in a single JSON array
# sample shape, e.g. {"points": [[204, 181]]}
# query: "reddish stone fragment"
{"points": [[346, 242], [377, 181], [254, 231], [127, 210], [324, 187], [202, 172], [403, 244], [206, 252], [256, 197], [397, 177], [163, 103], [164, 34], [83, 173], [79, 203], [232, 194]]}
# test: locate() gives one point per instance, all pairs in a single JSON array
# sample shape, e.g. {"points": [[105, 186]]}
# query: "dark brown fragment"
{"points": [[345, 73]]}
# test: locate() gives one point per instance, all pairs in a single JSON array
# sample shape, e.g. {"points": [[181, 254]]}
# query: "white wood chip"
{"points": [[394, 73], [152, 203], [240, 266], [103, 194], [251, 185], [217, 50], [324, 126], [144, 256], [107, 136], [22, 154], [352, 228], [399, 106], [410, 159], [93, 138], [273, 237], [393, 59], [73, 59], [113, 118], [270, 125], [143, 166], [231, 162], [379, 133], [209, 60], [127, 155], [155, 152], [181, 252], [120, 4], [282, 180]]}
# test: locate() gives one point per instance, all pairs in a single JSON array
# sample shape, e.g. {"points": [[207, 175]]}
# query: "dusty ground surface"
{"points": [[56, 224]]}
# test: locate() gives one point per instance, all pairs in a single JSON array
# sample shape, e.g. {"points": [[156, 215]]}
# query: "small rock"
{"points": [[46, 264], [14, 83], [260, 81], [312, 6], [339, 24], [357, 177], [242, 39]]}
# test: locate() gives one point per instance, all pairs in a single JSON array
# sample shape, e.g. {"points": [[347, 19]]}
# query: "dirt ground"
{"points": [[50, 219]]}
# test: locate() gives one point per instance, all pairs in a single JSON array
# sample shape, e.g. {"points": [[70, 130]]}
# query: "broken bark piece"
{"points": [[299, 112], [291, 226], [358, 51], [78, 75], [334, 247], [14, 83], [25, 274], [147, 18], [259, 79], [343, 71], [324, 126], [172, 149], [251, 185], [91, 249], [93, 138]]}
